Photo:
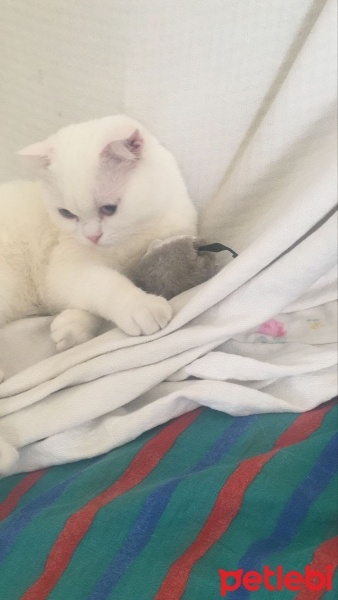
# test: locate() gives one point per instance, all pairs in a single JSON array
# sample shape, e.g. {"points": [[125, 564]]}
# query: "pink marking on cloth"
{"points": [[273, 327]]}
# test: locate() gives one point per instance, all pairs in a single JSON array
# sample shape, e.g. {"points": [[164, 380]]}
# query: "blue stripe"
{"points": [[292, 515], [154, 507], [17, 521]]}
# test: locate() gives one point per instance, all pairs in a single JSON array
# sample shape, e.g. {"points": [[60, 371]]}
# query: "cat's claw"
{"points": [[73, 327], [143, 314]]}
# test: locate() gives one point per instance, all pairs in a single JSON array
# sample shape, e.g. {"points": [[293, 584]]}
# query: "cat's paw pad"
{"points": [[73, 327], [144, 314]]}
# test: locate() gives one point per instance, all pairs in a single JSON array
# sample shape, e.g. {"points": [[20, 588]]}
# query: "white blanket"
{"points": [[261, 336]]}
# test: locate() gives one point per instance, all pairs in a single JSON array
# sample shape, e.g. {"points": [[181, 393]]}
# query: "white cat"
{"points": [[107, 189]]}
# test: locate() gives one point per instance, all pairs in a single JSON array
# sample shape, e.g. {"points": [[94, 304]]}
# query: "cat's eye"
{"points": [[108, 210], [67, 214]]}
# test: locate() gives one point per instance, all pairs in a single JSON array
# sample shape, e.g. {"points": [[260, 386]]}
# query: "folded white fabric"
{"points": [[261, 336]]}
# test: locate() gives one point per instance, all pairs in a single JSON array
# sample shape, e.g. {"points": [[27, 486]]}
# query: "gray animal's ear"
{"points": [[40, 151], [129, 149]]}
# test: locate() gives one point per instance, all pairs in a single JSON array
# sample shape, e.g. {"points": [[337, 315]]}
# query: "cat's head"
{"points": [[102, 179]]}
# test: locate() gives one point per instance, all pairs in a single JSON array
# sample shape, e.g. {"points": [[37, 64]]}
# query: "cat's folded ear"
{"points": [[41, 152], [129, 149]]}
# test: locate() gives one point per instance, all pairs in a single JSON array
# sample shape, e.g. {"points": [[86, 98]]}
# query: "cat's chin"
{"points": [[111, 243], [85, 242]]}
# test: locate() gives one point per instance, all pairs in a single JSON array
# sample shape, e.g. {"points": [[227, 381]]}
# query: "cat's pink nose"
{"points": [[94, 238]]}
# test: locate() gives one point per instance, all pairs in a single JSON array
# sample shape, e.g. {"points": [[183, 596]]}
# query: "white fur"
{"points": [[47, 263]]}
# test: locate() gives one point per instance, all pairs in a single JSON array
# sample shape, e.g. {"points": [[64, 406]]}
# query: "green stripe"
{"points": [[317, 527], [114, 521], [263, 502], [59, 473], [7, 484], [188, 509], [27, 558], [334, 592], [186, 513]]}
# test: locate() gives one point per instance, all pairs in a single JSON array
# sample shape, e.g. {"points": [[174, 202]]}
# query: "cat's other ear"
{"points": [[129, 149], [40, 151]]}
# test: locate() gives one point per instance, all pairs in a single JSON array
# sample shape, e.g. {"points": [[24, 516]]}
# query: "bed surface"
{"points": [[158, 517]]}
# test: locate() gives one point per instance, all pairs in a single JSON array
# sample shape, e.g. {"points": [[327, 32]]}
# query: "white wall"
{"points": [[194, 71]]}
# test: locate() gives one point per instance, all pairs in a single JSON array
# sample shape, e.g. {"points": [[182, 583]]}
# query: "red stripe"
{"points": [[326, 554], [13, 499], [229, 502], [304, 426], [78, 524]]}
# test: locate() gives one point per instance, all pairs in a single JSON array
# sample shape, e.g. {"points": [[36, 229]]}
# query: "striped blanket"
{"points": [[159, 517]]}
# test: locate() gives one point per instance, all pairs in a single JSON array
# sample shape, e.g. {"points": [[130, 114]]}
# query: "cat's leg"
{"points": [[77, 283], [73, 327]]}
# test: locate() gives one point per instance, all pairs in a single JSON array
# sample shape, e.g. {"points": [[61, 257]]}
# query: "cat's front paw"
{"points": [[73, 327], [143, 314]]}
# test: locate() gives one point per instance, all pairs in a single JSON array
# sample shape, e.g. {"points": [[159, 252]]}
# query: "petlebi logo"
{"points": [[276, 580]]}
